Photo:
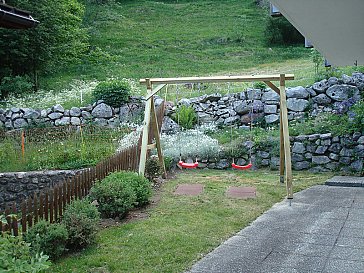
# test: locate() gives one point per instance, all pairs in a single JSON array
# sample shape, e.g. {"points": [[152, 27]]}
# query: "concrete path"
{"points": [[323, 231]]}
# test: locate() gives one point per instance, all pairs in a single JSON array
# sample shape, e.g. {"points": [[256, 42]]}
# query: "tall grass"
{"points": [[57, 148]]}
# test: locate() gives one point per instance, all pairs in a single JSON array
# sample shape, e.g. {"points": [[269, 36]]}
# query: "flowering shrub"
{"points": [[190, 143], [78, 94], [130, 139]]}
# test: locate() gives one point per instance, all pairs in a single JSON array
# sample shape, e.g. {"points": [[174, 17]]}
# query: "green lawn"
{"points": [[180, 229], [137, 39]]}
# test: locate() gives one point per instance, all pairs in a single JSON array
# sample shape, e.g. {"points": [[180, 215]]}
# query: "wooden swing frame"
{"points": [[150, 117]]}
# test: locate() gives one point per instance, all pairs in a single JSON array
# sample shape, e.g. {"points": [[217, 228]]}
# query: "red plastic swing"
{"points": [[188, 165], [241, 167]]}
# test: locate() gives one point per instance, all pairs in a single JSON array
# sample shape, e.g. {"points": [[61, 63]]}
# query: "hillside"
{"points": [[135, 39]]}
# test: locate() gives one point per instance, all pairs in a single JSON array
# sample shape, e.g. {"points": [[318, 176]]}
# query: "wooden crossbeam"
{"points": [[217, 79]]}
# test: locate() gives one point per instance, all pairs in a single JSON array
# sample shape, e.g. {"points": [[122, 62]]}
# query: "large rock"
{"points": [[75, 112], [75, 121], [204, 118], [63, 121], [257, 106], [241, 107], [297, 92], [320, 87], [55, 115], [298, 148], [271, 118], [102, 110], [270, 109], [343, 92], [169, 126], [322, 99], [58, 108], [299, 166], [185, 102], [254, 94], [30, 114], [357, 165], [210, 97], [297, 105], [222, 164], [270, 96], [320, 159], [20, 123], [232, 120]]}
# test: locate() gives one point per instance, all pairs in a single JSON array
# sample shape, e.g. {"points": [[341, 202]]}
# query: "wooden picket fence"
{"points": [[50, 204]]}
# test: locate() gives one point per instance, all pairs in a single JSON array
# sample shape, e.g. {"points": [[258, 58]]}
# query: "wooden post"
{"points": [[147, 112], [157, 140], [281, 150], [287, 149]]}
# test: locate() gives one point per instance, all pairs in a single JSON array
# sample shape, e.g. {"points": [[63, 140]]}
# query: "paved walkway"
{"points": [[323, 231]]}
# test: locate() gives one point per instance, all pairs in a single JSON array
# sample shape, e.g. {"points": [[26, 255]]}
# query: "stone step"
{"points": [[346, 181]]}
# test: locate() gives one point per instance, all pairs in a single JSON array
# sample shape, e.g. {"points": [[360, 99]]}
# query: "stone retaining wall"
{"points": [[98, 113], [17, 186], [334, 95], [316, 153]]}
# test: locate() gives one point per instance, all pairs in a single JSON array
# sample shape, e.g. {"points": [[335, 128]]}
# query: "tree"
{"points": [[59, 38]]}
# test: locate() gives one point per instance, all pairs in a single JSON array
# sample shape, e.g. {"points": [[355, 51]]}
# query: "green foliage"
{"points": [[48, 238], [141, 186], [16, 256], [113, 92], [153, 168], [186, 117], [279, 31], [81, 219], [168, 162], [119, 192], [16, 86], [114, 196], [259, 85], [339, 125], [59, 38]]}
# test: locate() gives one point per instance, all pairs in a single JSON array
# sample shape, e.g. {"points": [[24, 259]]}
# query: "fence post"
{"points": [[15, 221], [24, 216]]}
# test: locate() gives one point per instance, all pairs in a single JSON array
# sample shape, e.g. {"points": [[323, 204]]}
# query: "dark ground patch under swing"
{"points": [[189, 189], [241, 192]]}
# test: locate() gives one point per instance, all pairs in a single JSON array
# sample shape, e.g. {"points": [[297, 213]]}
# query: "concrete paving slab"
{"points": [[350, 242], [346, 181], [321, 232], [344, 266], [348, 253]]}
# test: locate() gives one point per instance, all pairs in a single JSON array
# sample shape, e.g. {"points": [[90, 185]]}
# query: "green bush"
{"points": [[48, 238], [114, 196], [113, 92], [81, 219], [153, 168], [168, 162], [279, 31], [186, 117], [15, 256], [15, 86], [120, 191], [141, 186]]}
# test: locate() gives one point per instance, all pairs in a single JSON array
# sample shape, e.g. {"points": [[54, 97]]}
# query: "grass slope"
{"points": [[137, 39], [182, 229]]}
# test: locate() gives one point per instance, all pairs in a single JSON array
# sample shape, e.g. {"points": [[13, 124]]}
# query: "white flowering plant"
{"points": [[79, 93], [189, 143]]}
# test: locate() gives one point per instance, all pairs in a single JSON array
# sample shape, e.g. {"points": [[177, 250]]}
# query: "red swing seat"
{"points": [[241, 167], [188, 165]]}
